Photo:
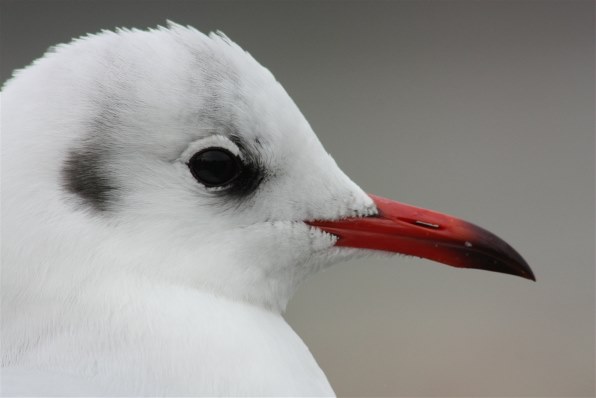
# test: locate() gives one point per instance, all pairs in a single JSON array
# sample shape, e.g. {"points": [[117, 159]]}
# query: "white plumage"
{"points": [[162, 198], [121, 274]]}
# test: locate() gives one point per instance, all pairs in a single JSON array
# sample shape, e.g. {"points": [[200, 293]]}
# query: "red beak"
{"points": [[414, 231]]}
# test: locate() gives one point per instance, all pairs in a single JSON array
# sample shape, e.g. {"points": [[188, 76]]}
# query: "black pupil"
{"points": [[214, 167]]}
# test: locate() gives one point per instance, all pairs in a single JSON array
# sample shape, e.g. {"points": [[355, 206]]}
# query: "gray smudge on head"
{"points": [[85, 175], [86, 170], [219, 87]]}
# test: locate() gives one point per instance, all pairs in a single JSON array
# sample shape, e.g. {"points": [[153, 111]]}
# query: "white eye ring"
{"points": [[215, 140]]}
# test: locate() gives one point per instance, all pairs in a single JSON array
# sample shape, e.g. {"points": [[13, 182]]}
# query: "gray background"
{"points": [[480, 109]]}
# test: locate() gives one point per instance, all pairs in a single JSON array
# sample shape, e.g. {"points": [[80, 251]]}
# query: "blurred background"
{"points": [[481, 109]]}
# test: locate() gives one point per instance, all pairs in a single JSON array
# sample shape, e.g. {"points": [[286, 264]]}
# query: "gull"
{"points": [[162, 199]]}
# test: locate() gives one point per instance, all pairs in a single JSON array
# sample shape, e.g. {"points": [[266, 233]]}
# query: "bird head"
{"points": [[174, 156]]}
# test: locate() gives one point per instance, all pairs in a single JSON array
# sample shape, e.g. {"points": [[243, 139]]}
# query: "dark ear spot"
{"points": [[85, 174]]}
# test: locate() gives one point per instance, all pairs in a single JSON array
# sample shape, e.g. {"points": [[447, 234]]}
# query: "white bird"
{"points": [[162, 199]]}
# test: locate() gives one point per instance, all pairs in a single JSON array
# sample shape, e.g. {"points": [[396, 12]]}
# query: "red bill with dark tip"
{"points": [[414, 231]]}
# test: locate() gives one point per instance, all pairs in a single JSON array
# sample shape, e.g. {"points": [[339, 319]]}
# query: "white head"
{"points": [[102, 175], [177, 158]]}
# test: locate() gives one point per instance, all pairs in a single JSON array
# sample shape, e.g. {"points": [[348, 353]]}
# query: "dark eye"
{"points": [[215, 167]]}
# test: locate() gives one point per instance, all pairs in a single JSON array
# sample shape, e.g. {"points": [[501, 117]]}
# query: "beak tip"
{"points": [[518, 268], [522, 269], [529, 275]]}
